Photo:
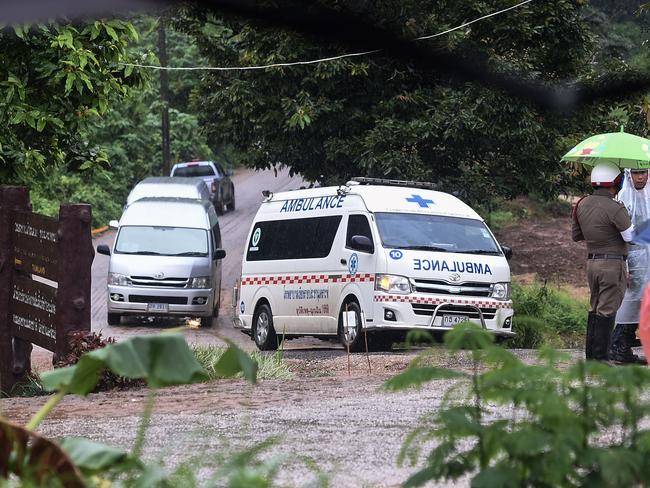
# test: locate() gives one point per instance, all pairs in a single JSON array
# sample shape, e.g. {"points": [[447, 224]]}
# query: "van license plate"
{"points": [[451, 320], [158, 307]]}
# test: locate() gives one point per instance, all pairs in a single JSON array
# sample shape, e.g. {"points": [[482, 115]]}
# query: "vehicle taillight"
{"points": [[214, 186]]}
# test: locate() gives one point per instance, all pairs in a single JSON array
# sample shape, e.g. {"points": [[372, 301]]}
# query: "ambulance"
{"points": [[366, 262]]}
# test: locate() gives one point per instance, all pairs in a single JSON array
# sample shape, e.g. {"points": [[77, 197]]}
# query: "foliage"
{"points": [[160, 361], [57, 79], [564, 318], [379, 116], [531, 332], [82, 342], [531, 425], [270, 366]]}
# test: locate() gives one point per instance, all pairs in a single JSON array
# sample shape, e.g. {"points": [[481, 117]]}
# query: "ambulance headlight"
{"points": [[200, 282], [501, 291], [392, 284]]}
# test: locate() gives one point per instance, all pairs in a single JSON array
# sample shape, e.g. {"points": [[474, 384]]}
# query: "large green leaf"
{"points": [[161, 360], [93, 457], [234, 361]]}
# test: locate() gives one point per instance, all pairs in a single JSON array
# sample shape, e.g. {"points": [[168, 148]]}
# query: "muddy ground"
{"points": [[345, 422]]}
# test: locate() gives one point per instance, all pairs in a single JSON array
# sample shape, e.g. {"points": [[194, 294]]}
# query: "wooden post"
{"points": [[11, 198], [75, 259]]}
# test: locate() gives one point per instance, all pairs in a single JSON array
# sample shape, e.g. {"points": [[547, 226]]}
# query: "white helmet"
{"points": [[605, 175]]}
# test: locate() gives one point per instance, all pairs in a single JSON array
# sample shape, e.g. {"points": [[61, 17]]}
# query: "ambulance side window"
{"points": [[358, 226], [293, 239]]}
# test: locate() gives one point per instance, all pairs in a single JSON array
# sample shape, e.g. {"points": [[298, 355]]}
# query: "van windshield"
{"points": [[162, 241], [435, 233]]}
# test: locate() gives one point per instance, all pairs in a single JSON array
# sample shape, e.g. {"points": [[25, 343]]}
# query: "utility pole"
{"points": [[164, 97]]}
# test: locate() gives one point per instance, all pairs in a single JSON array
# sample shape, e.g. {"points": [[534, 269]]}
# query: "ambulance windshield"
{"points": [[435, 233]]}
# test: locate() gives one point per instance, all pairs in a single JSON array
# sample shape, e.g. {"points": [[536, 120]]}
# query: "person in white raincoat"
{"points": [[635, 195]]}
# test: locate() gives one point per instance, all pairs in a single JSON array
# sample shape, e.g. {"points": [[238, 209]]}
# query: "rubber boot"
{"points": [[589, 339], [602, 337], [622, 343]]}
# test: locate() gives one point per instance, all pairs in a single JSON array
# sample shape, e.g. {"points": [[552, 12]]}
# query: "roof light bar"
{"points": [[362, 180]]}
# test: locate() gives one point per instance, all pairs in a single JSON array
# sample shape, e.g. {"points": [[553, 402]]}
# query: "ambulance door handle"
{"points": [[344, 262]]}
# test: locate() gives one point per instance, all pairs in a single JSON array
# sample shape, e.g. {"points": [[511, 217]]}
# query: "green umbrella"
{"points": [[623, 149]]}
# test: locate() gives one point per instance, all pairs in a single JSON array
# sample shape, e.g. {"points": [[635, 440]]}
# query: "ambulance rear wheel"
{"points": [[354, 336], [263, 330]]}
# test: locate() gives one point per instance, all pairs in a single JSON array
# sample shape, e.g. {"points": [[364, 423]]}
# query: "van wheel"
{"points": [[206, 322], [263, 330], [114, 319], [354, 337], [231, 206]]}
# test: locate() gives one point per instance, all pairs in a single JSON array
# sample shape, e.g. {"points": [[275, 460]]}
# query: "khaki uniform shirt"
{"points": [[599, 220]]}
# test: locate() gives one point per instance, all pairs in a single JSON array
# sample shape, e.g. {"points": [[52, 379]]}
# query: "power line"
{"points": [[321, 60]]}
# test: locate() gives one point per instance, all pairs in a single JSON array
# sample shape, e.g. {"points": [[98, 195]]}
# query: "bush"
{"points": [[564, 317], [530, 332], [504, 423]]}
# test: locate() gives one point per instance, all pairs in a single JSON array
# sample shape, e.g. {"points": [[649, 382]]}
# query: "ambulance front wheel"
{"points": [[263, 330], [353, 337]]}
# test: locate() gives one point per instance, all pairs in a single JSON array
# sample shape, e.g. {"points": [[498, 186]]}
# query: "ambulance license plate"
{"points": [[158, 307], [451, 320]]}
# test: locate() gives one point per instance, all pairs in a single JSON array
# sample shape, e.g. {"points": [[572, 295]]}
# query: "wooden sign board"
{"points": [[35, 244], [33, 312]]}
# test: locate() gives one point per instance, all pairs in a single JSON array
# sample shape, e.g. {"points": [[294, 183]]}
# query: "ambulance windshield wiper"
{"points": [[142, 253], [425, 248], [493, 252]]}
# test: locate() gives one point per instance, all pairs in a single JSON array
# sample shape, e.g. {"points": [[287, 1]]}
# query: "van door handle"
{"points": [[344, 261]]}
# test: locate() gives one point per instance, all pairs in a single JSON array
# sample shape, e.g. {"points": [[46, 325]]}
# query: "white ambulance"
{"points": [[367, 261]]}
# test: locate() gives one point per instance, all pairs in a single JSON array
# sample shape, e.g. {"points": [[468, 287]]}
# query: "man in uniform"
{"points": [[606, 227], [636, 199]]}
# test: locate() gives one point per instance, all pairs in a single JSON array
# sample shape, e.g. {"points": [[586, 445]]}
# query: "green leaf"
{"points": [[69, 80], [111, 32], [161, 360], [500, 476], [468, 335], [128, 70], [92, 457], [234, 361], [418, 376]]}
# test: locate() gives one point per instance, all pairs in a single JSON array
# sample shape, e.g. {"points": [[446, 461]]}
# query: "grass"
{"points": [[271, 366], [547, 315]]}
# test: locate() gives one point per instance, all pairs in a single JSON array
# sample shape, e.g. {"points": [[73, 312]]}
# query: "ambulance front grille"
{"points": [[472, 313], [439, 287]]}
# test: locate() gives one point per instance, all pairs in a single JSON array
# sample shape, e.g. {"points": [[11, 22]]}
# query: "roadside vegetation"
{"points": [[546, 315], [269, 366], [508, 424]]}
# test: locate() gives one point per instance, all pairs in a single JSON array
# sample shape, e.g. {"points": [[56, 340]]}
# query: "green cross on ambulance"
{"points": [[370, 259]]}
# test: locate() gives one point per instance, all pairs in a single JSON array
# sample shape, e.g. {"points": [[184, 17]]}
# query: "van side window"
{"points": [[358, 226], [293, 239]]}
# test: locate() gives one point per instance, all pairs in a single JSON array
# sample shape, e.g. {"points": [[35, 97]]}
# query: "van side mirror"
{"points": [[114, 224], [219, 254], [229, 172], [507, 251], [362, 243], [103, 249]]}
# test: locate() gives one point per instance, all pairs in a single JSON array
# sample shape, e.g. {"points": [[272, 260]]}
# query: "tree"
{"points": [[57, 79], [380, 116]]}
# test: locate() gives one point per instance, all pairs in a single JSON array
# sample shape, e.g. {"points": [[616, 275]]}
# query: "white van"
{"points": [[167, 186], [166, 260], [381, 255]]}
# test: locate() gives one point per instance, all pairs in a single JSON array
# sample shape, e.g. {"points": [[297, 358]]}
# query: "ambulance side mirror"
{"points": [[363, 244], [507, 251]]}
